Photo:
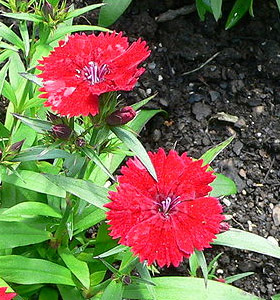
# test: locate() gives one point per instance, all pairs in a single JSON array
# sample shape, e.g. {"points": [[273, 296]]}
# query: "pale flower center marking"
{"points": [[168, 204], [93, 73]]}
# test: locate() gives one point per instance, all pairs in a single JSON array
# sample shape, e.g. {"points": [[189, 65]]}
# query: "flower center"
{"points": [[167, 205], [93, 73]]}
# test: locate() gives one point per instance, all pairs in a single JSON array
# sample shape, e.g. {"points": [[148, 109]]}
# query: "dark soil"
{"points": [[243, 80]]}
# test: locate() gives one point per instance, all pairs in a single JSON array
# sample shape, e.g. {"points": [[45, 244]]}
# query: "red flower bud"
{"points": [[47, 9], [17, 146], [224, 226], [80, 142], [61, 131], [121, 116], [221, 280]]}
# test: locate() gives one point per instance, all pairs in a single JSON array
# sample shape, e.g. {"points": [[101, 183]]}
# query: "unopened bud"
{"points": [[61, 131], [47, 9], [121, 116], [17, 146], [126, 280], [53, 118], [224, 226], [80, 142], [221, 280]]}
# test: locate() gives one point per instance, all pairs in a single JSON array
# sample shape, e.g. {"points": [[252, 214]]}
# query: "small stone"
{"points": [[220, 271], [195, 98], [244, 192], [243, 173], [237, 147], [258, 109], [272, 240], [201, 111], [214, 95], [152, 65], [160, 78], [226, 202], [276, 214], [240, 123], [148, 91], [156, 135], [163, 102]]}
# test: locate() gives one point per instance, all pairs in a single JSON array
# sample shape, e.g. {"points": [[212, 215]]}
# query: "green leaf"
{"points": [[231, 279], [83, 189], [216, 6], [25, 37], [77, 12], [113, 291], [238, 11], [33, 78], [77, 267], [31, 209], [70, 293], [275, 297], [203, 265], [36, 124], [23, 270], [115, 250], [9, 93], [202, 8], [15, 234], [35, 182], [90, 153], [247, 241], [8, 34], [90, 216], [138, 105], [130, 140], [40, 153], [187, 288], [48, 293], [3, 74], [24, 16], [112, 11], [211, 154], [278, 4], [62, 31], [15, 68], [222, 186]]}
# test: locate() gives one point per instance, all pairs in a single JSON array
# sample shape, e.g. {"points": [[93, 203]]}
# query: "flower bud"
{"points": [[224, 226], [53, 118], [126, 280], [47, 9], [80, 142], [61, 131], [16, 146], [121, 116]]}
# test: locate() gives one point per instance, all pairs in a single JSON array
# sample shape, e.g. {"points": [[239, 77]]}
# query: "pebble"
{"points": [[152, 65], [214, 95], [148, 91], [276, 214], [226, 202], [160, 78], [163, 102], [258, 109], [156, 135], [237, 147], [195, 98], [201, 110]]}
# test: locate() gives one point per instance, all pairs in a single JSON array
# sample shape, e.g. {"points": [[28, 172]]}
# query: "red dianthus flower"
{"points": [[4, 296], [85, 66], [167, 220]]}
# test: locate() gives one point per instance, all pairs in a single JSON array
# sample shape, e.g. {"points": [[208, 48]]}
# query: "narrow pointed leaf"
{"points": [[223, 186], [33, 78], [80, 11], [130, 140], [38, 125], [231, 279], [238, 11], [8, 34], [3, 74], [112, 11], [24, 16], [16, 234], [203, 265], [23, 270], [32, 209], [187, 288], [77, 267], [113, 291], [34, 181], [216, 6], [247, 241], [83, 189], [210, 155]]}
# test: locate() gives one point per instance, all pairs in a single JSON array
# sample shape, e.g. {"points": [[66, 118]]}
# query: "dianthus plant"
{"points": [[70, 228]]}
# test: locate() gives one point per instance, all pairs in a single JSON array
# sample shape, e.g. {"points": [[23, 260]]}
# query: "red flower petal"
{"points": [[85, 66], [167, 220], [4, 296]]}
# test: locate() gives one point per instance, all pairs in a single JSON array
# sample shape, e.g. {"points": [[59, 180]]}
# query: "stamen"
{"points": [[93, 73], [167, 205]]}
